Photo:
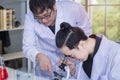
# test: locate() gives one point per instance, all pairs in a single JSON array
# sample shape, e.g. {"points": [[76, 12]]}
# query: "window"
{"points": [[105, 16]]}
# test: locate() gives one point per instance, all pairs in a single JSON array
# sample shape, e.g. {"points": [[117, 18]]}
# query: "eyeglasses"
{"points": [[46, 17]]}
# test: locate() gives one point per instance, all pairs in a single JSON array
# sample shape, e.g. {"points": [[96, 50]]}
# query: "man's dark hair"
{"points": [[69, 36], [1, 7], [41, 4]]}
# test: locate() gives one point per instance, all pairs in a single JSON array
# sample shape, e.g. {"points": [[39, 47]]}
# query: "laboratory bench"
{"points": [[14, 74]]}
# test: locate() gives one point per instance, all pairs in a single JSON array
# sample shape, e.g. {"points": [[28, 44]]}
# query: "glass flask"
{"points": [[3, 70]]}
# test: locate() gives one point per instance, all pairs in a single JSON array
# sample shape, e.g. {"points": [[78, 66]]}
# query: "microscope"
{"points": [[64, 69]]}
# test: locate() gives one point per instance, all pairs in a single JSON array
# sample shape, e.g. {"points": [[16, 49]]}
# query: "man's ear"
{"points": [[55, 7]]}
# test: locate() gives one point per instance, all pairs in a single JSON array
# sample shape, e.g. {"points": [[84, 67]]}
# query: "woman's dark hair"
{"points": [[69, 35], [41, 4]]}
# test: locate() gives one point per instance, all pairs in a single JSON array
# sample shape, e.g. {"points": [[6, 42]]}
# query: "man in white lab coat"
{"points": [[100, 57], [41, 25]]}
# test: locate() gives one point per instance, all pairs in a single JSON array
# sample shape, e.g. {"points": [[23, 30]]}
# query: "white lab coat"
{"points": [[106, 62], [38, 38]]}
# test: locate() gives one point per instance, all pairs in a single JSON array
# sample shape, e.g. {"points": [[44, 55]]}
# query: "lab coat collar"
{"points": [[99, 64], [59, 17]]}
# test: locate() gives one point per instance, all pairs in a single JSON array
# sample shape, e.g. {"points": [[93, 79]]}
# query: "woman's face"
{"points": [[79, 53]]}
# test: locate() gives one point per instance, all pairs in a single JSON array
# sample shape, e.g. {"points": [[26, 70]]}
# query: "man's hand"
{"points": [[44, 62]]}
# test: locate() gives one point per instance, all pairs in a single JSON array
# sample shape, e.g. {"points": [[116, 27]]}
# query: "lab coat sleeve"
{"points": [[83, 20], [115, 70], [30, 49]]}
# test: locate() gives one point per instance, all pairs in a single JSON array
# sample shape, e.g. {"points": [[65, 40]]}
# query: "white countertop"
{"points": [[19, 75]]}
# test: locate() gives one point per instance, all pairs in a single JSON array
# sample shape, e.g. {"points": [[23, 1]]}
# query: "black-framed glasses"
{"points": [[46, 17]]}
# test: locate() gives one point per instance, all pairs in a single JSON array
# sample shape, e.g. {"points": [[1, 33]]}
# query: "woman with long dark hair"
{"points": [[99, 57]]}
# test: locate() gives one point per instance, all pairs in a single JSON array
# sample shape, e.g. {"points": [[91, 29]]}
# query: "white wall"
{"points": [[16, 41]]}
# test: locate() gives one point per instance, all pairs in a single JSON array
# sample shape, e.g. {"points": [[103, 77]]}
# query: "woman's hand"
{"points": [[69, 63]]}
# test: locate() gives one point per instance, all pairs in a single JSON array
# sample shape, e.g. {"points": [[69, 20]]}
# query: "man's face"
{"points": [[47, 17]]}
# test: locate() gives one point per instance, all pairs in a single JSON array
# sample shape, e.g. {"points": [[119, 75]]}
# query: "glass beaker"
{"points": [[3, 71]]}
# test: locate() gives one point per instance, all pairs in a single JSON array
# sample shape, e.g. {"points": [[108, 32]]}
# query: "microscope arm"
{"points": [[67, 69]]}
